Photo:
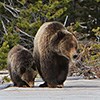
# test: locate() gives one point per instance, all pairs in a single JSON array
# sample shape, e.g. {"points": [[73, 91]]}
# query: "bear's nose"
{"points": [[75, 56]]}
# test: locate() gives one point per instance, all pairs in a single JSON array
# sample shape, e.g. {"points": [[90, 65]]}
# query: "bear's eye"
{"points": [[76, 47], [71, 45]]}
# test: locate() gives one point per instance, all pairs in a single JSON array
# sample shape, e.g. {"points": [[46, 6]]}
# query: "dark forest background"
{"points": [[20, 20]]}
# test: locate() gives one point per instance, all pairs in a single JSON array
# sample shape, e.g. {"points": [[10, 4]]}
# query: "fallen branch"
{"points": [[5, 18], [65, 20], [13, 11], [3, 26], [19, 30]]}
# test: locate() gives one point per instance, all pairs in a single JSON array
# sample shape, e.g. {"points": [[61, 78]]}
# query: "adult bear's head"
{"points": [[64, 44]]}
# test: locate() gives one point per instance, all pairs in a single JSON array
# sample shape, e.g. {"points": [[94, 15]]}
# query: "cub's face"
{"points": [[28, 76], [65, 44]]}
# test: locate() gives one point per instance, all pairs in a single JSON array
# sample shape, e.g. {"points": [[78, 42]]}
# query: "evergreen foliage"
{"points": [[85, 16], [9, 41], [20, 20]]}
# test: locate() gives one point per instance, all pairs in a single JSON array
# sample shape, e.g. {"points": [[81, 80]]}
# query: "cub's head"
{"points": [[28, 75], [64, 44]]}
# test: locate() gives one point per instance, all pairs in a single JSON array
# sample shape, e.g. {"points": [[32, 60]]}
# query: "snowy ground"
{"points": [[74, 89]]}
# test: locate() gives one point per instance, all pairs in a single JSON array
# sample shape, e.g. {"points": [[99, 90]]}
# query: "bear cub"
{"points": [[54, 48], [21, 67]]}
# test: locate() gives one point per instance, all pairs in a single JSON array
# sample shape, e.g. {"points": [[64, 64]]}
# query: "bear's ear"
{"points": [[58, 36]]}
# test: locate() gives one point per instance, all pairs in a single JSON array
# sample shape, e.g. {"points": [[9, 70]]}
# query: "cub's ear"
{"points": [[58, 36]]}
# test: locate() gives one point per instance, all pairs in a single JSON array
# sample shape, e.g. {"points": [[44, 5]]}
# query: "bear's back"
{"points": [[24, 57], [14, 50], [20, 55], [45, 32], [49, 28]]}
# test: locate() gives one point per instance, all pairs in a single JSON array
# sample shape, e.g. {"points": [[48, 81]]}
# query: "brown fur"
{"points": [[21, 66], [54, 47]]}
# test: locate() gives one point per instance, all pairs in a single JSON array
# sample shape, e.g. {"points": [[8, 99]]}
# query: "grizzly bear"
{"points": [[54, 47], [21, 67]]}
